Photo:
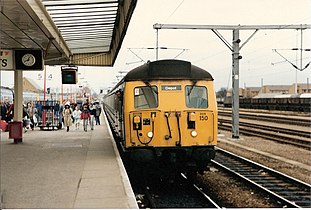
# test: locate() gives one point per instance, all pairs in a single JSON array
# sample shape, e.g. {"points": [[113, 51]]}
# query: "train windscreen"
{"points": [[196, 97], [145, 97]]}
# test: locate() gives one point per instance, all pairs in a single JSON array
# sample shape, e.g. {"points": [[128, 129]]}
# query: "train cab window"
{"points": [[196, 97], [146, 97]]}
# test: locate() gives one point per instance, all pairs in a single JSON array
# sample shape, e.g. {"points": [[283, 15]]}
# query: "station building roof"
{"points": [[78, 32]]}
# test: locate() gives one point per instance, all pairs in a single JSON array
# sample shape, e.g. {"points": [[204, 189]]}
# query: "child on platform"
{"points": [[85, 116], [76, 116]]}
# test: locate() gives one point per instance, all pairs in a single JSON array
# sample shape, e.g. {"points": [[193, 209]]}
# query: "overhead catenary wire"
{"points": [[300, 69], [175, 10], [142, 60]]}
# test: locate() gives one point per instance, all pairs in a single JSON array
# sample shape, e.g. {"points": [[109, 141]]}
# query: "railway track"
{"points": [[289, 131], [289, 191], [182, 194], [210, 201], [282, 119], [283, 135]]}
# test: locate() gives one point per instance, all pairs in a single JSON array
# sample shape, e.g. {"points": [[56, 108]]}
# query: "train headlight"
{"points": [[194, 133], [137, 119], [137, 122], [150, 134], [191, 116]]}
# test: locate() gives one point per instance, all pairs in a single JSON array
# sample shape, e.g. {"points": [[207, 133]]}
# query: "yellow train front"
{"points": [[165, 116]]}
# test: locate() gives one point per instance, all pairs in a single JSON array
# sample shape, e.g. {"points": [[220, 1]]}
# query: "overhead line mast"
{"points": [[235, 49]]}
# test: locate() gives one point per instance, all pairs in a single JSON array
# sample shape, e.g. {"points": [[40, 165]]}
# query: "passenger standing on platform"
{"points": [[10, 113], [87, 103], [76, 117], [56, 110], [85, 116], [26, 120], [61, 119], [67, 115], [98, 112], [31, 111], [4, 108], [92, 113], [39, 110]]}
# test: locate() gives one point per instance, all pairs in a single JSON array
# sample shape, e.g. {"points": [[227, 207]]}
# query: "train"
{"points": [[159, 121], [8, 94], [285, 102]]}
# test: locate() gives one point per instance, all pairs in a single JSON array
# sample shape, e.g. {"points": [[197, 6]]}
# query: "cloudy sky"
{"points": [[203, 48]]}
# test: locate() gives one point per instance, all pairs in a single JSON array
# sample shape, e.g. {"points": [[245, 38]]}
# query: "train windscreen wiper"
{"points": [[148, 85], [194, 82]]}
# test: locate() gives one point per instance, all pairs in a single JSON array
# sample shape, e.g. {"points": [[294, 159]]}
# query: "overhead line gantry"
{"points": [[235, 49]]}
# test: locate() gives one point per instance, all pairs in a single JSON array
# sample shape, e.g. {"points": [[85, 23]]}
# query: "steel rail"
{"points": [[188, 195], [278, 129], [270, 118], [274, 136], [291, 192], [210, 200]]}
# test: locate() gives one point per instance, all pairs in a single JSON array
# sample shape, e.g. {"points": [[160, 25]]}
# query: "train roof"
{"points": [[168, 69]]}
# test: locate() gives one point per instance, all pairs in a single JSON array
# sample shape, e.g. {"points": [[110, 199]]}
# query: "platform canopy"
{"points": [[78, 32]]}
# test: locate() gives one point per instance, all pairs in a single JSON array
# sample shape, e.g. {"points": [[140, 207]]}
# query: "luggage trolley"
{"points": [[48, 114]]}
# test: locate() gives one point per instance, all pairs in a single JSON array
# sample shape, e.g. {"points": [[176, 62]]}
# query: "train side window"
{"points": [[196, 97], [145, 97]]}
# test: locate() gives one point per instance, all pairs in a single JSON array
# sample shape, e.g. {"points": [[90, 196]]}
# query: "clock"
{"points": [[28, 59]]}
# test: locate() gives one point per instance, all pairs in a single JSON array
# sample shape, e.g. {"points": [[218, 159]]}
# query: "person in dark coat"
{"points": [[10, 113], [26, 120], [93, 114], [4, 108], [98, 112], [87, 104]]}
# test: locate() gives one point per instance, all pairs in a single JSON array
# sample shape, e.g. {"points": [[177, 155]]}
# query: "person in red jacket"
{"points": [[85, 116]]}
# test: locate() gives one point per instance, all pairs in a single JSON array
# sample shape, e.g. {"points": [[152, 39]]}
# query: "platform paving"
{"points": [[59, 169]]}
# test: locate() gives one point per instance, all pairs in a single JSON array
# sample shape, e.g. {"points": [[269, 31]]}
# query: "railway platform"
{"points": [[58, 169]]}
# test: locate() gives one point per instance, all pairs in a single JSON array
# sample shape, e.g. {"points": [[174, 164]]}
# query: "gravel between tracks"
{"points": [[231, 193]]}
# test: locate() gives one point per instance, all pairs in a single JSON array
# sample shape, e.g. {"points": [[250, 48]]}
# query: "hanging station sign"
{"points": [[21, 59], [6, 59]]}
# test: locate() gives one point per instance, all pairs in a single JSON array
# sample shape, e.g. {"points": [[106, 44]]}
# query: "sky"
{"points": [[263, 57]]}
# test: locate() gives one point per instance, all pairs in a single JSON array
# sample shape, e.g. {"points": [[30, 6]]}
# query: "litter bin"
{"points": [[16, 131]]}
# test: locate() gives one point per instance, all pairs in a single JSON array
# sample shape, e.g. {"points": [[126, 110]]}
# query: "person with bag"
{"points": [[67, 115], [85, 116]]}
